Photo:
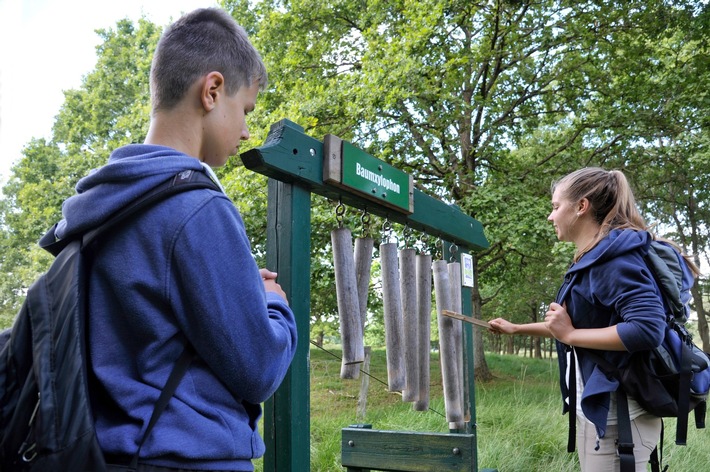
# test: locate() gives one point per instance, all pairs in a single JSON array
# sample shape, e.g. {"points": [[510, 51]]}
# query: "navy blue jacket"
{"points": [[611, 285], [181, 272]]}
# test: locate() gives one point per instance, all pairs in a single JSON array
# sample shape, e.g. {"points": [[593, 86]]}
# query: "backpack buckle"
{"points": [[29, 454], [624, 447]]}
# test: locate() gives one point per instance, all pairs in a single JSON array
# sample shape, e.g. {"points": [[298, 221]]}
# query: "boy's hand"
{"points": [[270, 284]]}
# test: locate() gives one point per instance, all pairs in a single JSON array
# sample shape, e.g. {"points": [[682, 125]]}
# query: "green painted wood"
{"points": [[294, 163], [287, 413], [398, 451], [289, 155]]}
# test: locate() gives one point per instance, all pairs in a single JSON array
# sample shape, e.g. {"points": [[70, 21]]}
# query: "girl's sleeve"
{"points": [[630, 288]]}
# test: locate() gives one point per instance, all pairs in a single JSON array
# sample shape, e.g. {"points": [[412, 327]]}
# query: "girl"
{"points": [[609, 302]]}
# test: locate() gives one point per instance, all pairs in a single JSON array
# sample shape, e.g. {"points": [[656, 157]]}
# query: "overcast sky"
{"points": [[47, 46]]}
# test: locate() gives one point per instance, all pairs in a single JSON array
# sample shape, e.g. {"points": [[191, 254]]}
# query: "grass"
{"points": [[520, 426]]}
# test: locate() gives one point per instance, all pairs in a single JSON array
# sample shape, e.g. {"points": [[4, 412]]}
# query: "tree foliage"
{"points": [[484, 102], [487, 102]]}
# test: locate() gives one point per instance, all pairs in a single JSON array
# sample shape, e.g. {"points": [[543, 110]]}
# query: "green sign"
{"points": [[375, 179]]}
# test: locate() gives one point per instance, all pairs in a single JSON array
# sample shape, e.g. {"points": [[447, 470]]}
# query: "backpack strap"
{"points": [[700, 412], [685, 371], [180, 182], [656, 459], [572, 400], [171, 385], [625, 444]]}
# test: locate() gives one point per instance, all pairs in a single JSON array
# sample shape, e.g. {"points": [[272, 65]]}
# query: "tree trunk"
{"points": [[481, 371], [702, 317]]}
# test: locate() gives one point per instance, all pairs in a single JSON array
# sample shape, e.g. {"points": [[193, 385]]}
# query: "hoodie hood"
{"points": [[130, 172], [616, 243]]}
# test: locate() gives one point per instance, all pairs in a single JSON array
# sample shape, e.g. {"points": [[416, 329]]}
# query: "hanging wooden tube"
{"points": [[447, 346], [456, 303], [408, 290], [392, 306], [363, 264], [346, 292], [423, 272]]}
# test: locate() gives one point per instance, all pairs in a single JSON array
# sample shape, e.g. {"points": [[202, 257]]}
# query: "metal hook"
{"points": [[339, 212], [424, 239], [406, 233], [453, 249], [365, 220], [438, 245], [387, 231]]}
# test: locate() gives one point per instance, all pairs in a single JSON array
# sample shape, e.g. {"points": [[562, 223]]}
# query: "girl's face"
{"points": [[563, 217]]}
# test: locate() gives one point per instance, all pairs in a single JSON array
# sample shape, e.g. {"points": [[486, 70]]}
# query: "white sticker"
{"points": [[467, 271]]}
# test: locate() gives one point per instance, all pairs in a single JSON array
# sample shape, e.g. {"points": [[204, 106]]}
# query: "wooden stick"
{"points": [[364, 385], [467, 319]]}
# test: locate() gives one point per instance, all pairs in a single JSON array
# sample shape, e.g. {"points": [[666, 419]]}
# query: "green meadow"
{"points": [[520, 426]]}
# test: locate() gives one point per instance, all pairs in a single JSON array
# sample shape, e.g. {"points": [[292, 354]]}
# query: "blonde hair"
{"points": [[611, 201]]}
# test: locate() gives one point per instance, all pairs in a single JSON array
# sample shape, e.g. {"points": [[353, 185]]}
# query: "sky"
{"points": [[48, 46]]}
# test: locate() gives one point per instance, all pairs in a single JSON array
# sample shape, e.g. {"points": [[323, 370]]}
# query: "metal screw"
{"points": [[313, 152], [351, 443], [456, 451]]}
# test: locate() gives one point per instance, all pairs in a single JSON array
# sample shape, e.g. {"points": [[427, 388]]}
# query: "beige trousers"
{"points": [[646, 432]]}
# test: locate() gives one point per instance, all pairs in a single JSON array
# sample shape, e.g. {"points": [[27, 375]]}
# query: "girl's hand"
{"points": [[558, 322], [500, 325]]}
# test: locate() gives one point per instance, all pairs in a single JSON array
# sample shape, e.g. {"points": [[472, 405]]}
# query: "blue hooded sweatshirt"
{"points": [[611, 285], [180, 272]]}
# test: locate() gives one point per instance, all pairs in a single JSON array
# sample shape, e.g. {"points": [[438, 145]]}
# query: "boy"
{"points": [[182, 273]]}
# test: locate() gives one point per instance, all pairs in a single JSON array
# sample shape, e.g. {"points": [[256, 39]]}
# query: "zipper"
{"points": [[28, 449]]}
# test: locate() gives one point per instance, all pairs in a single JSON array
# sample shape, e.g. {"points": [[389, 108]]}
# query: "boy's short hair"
{"points": [[205, 40]]}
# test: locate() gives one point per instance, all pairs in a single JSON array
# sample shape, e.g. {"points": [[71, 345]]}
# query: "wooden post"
{"points": [[346, 291], [423, 272], [288, 252], [364, 386], [392, 306]]}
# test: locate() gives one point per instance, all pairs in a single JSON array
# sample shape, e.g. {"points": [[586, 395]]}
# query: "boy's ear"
{"points": [[212, 88]]}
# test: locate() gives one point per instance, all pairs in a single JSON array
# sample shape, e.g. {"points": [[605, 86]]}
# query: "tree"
{"points": [[110, 109], [483, 102]]}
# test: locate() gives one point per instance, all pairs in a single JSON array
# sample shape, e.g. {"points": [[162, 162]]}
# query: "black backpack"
{"points": [[46, 419], [672, 379]]}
